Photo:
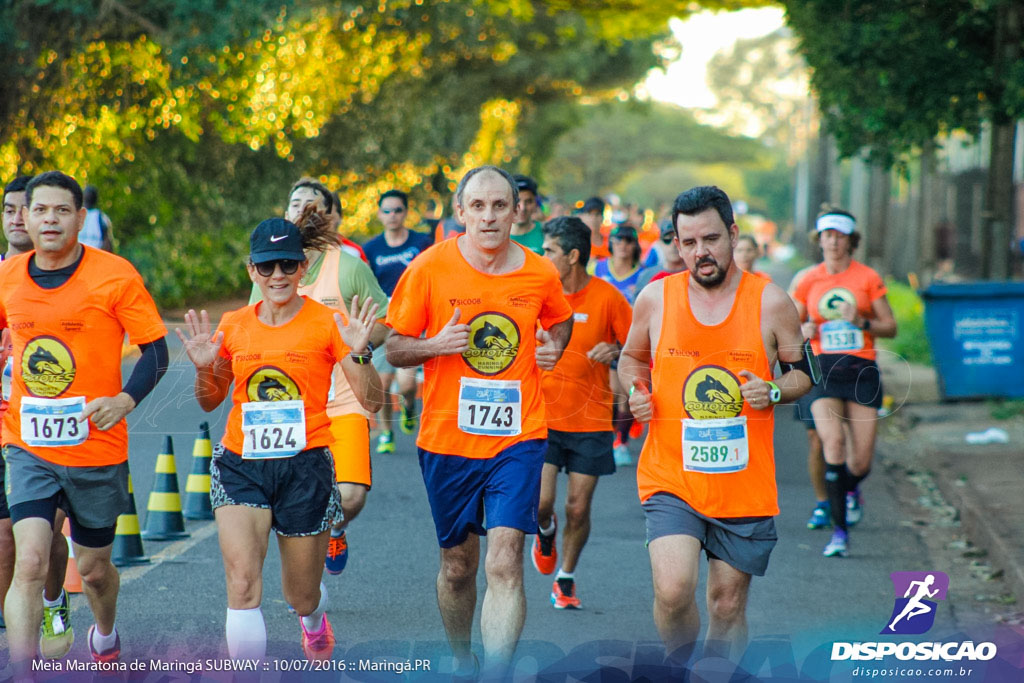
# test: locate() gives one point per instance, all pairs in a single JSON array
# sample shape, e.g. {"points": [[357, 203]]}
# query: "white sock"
{"points": [[52, 603], [562, 574], [246, 633], [549, 529], [102, 643], [337, 531], [313, 621]]}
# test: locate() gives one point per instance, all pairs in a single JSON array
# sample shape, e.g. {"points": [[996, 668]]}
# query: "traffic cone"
{"points": [[197, 486], [72, 579], [127, 550], [164, 521]]}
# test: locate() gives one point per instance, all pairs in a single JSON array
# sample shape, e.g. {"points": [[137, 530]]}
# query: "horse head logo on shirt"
{"points": [[47, 367], [272, 384], [710, 392], [493, 343]]}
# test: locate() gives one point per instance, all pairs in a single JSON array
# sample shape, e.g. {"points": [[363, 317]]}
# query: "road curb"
{"points": [[979, 522]]}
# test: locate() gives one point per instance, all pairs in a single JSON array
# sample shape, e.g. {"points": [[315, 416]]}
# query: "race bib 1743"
{"points": [[490, 407]]}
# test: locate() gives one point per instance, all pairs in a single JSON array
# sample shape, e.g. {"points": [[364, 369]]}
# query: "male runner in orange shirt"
{"points": [[65, 441], [706, 474], [479, 299], [578, 401]]}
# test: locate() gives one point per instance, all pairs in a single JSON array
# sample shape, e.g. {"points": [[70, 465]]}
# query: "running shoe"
{"points": [[57, 636], [545, 552], [386, 443], [620, 452], [854, 507], [837, 545], [408, 423], [337, 554], [318, 646], [820, 517], [563, 594], [636, 429], [111, 655]]}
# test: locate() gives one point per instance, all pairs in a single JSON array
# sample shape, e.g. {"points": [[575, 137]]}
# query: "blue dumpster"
{"points": [[974, 329]]}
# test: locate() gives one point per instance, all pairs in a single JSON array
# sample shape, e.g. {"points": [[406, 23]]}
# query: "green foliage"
{"points": [[191, 267], [622, 141], [891, 76], [1006, 409], [910, 342]]}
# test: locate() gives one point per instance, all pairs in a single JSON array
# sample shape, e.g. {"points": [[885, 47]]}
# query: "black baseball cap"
{"points": [[626, 232], [593, 204], [275, 239], [525, 182]]}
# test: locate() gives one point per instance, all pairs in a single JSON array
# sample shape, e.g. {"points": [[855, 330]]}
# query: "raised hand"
{"points": [[640, 403], [202, 347], [548, 352], [755, 390], [361, 319], [453, 338]]}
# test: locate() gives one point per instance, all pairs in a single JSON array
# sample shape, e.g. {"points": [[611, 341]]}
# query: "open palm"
{"points": [[356, 331], [201, 346]]}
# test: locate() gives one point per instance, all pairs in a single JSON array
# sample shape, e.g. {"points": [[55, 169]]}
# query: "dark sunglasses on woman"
{"points": [[288, 267]]}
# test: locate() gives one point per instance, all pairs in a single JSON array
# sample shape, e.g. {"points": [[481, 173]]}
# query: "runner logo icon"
{"points": [[917, 594]]}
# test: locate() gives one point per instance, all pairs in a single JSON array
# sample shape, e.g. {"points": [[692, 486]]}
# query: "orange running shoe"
{"points": [[318, 646], [544, 552], [337, 554], [563, 594]]}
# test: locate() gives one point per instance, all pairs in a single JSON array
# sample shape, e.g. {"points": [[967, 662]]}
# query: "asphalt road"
{"points": [[384, 606]]}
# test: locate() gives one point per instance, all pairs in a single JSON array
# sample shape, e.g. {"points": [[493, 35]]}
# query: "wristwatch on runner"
{"points": [[774, 393]]}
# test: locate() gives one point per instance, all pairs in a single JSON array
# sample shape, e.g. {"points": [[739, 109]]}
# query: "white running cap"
{"points": [[836, 221]]}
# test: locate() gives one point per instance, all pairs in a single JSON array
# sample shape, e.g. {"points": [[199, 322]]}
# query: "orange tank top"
{"points": [[325, 290], [706, 445]]}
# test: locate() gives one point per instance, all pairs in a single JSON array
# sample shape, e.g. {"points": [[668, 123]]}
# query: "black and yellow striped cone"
{"points": [[197, 486], [164, 521], [127, 548]]}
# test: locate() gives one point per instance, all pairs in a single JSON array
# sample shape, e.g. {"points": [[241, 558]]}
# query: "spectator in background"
{"points": [[745, 254], [671, 261], [95, 231], [527, 230], [592, 214]]}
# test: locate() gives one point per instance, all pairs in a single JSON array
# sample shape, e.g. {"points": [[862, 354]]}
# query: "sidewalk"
{"points": [[985, 482]]}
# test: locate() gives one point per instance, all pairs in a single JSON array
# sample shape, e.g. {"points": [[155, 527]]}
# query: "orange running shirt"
{"points": [[285, 363], [577, 394], [503, 312], [820, 293], [67, 343], [696, 376]]}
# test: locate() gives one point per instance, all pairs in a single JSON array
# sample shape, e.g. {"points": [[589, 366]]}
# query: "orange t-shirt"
{"points": [[577, 394], [67, 343], [820, 293], [289, 362], [696, 377], [503, 312]]}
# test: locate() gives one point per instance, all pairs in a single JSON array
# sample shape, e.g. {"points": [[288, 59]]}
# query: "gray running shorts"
{"points": [[95, 496], [581, 452], [742, 543]]}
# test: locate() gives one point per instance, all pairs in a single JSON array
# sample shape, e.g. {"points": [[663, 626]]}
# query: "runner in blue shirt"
{"points": [[390, 253]]}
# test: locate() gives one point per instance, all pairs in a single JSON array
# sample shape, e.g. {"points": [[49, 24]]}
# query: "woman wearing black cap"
{"points": [[272, 470]]}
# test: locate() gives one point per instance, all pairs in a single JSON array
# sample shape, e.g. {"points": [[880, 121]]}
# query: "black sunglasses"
{"points": [[667, 239], [288, 267]]}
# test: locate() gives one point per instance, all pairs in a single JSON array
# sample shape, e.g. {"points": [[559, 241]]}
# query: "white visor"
{"points": [[835, 221]]}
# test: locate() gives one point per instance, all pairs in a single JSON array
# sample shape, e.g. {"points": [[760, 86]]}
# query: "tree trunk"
{"points": [[998, 213], [997, 216]]}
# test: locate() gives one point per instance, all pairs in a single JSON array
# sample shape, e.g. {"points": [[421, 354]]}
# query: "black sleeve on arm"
{"points": [[148, 370]]}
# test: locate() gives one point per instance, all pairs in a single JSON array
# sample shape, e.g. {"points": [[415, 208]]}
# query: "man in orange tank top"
{"points": [[706, 475], [494, 316]]}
